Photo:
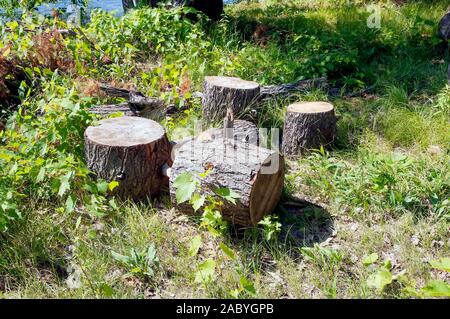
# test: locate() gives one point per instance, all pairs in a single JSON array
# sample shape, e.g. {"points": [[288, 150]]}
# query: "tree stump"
{"points": [[130, 150], [221, 92], [256, 174], [308, 125]]}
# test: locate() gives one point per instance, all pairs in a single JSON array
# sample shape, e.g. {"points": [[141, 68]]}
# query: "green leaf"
{"points": [[64, 183], [387, 264], [195, 245], [151, 255], [106, 290], [370, 259], [112, 185], [185, 186], [102, 187], [112, 203], [227, 251], [436, 288], [227, 194], [441, 264], [13, 25], [205, 272], [41, 175], [197, 201], [70, 204], [119, 257], [78, 222], [380, 279], [248, 286]]}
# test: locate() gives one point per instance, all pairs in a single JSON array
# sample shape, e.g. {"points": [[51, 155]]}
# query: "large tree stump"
{"points": [[255, 173], [130, 150], [221, 92], [308, 125]]}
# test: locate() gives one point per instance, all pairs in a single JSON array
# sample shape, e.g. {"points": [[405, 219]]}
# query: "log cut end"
{"points": [[125, 131], [231, 82], [267, 188], [310, 107]]}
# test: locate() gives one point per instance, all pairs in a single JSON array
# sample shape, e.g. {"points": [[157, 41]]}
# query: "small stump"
{"points": [[256, 174], [308, 125], [130, 150], [221, 92]]}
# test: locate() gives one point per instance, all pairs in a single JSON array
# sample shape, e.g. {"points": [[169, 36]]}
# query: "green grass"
{"points": [[382, 188]]}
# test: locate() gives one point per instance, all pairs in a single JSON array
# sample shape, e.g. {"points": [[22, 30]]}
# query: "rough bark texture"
{"points": [[242, 131], [308, 125], [255, 173], [130, 150], [107, 110], [221, 92], [444, 27]]}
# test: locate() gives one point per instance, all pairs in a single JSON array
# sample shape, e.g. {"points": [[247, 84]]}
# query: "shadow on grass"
{"points": [[305, 223]]}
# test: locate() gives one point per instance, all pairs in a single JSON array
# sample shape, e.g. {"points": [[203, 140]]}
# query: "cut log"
{"points": [[308, 125], [242, 131], [256, 174], [221, 92], [132, 151]]}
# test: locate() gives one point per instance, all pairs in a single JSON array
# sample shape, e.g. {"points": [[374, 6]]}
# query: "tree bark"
{"points": [[221, 92], [132, 151], [107, 110], [444, 27], [242, 131], [255, 173], [308, 125]]}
